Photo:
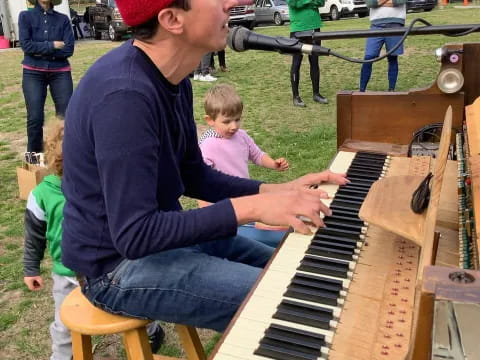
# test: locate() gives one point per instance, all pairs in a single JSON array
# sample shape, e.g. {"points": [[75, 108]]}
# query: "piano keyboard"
{"points": [[310, 275]]}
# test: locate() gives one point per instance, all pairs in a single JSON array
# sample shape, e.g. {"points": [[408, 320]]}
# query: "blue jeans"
{"points": [[201, 285], [34, 85], [269, 237], [372, 50]]}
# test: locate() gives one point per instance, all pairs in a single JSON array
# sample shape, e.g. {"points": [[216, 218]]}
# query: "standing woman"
{"points": [[46, 38], [304, 16]]}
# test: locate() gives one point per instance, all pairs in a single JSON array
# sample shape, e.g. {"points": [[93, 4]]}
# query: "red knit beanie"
{"points": [[136, 12]]}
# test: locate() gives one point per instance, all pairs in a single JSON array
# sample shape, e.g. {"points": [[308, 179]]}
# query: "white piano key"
{"points": [[342, 161]]}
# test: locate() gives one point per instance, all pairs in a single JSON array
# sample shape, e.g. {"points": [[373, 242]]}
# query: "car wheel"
{"points": [[334, 15], [112, 33], [97, 35], [250, 25], [362, 15], [277, 19], [429, 9]]}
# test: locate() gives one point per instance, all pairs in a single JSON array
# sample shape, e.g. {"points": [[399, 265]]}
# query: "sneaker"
{"points": [[223, 69], [320, 99], [196, 76], [156, 339], [297, 101], [207, 77]]}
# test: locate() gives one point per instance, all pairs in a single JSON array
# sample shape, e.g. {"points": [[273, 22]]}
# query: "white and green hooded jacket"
{"points": [[43, 223]]}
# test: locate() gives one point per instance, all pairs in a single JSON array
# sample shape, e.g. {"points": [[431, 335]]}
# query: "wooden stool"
{"points": [[84, 320]]}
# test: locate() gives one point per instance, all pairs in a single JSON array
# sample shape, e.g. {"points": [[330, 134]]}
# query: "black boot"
{"points": [[156, 339], [297, 101], [320, 99]]}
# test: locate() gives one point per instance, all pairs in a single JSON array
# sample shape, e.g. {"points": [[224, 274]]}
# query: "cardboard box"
{"points": [[28, 177]]}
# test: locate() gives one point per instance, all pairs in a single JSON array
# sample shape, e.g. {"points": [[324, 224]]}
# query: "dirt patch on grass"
{"points": [[16, 140]]}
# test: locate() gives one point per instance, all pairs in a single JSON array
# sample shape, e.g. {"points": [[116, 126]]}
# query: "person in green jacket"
{"points": [[43, 225], [43, 221], [304, 16]]}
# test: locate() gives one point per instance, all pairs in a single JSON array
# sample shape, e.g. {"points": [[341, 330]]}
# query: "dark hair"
{"points": [[149, 28]]}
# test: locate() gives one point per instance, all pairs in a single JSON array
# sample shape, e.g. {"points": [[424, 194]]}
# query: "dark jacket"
{"points": [[38, 29]]}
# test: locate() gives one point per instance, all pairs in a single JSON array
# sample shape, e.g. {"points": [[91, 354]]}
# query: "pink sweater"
{"points": [[231, 156]]}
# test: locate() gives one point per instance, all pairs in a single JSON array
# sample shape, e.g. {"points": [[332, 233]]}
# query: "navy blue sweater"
{"points": [[130, 151], [38, 29]]}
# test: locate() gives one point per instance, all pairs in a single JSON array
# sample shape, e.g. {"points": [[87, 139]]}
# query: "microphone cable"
{"points": [[400, 42]]}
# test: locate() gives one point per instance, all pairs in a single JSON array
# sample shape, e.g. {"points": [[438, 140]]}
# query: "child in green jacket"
{"points": [[43, 226]]}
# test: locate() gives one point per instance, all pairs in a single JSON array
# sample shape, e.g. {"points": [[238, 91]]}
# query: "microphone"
{"points": [[241, 39]]}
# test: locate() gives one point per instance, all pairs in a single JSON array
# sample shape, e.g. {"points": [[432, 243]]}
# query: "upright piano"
{"points": [[355, 290]]}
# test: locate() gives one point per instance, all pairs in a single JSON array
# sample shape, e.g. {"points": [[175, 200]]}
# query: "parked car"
{"points": [[104, 16], [334, 9], [425, 5], [271, 11], [360, 8], [242, 15]]}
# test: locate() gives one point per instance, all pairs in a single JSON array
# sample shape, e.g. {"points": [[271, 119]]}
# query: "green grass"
{"points": [[306, 137]]}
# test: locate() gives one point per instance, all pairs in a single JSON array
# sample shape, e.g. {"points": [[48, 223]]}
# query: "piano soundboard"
{"points": [[346, 292]]}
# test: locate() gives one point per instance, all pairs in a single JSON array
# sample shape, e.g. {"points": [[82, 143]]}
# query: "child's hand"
{"points": [[33, 283], [281, 164]]}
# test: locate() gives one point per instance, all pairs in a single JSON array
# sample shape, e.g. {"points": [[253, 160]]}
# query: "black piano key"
{"points": [[358, 166], [315, 288], [345, 217], [353, 192], [311, 294], [332, 267], [331, 252], [334, 239], [284, 342], [344, 205], [351, 199], [333, 231], [279, 352], [305, 314], [335, 245], [368, 163], [308, 347], [363, 174], [371, 155], [355, 179], [359, 187], [352, 214], [337, 223]]}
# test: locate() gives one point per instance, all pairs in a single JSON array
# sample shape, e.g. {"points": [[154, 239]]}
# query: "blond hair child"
{"points": [[43, 225], [228, 148], [225, 146]]}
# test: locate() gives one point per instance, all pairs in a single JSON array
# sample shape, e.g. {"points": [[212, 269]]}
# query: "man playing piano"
{"points": [[130, 151]]}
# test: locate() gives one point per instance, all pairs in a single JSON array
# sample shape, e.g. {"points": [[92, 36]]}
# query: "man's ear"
{"points": [[209, 120], [172, 20]]}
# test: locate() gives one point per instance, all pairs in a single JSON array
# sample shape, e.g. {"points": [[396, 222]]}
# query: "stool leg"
{"points": [[191, 342], [81, 346], [137, 346]]}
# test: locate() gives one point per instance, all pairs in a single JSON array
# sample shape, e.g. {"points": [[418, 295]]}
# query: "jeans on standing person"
{"points": [[204, 66], [201, 285], [372, 50], [34, 85]]}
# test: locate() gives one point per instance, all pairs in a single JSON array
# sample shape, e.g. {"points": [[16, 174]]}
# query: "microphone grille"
{"points": [[236, 37]]}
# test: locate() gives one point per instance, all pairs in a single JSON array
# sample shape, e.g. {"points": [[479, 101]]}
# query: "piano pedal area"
{"points": [[345, 292]]}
